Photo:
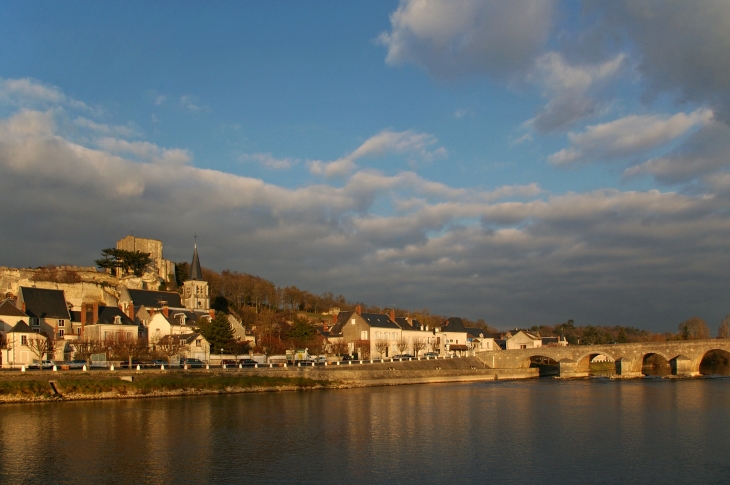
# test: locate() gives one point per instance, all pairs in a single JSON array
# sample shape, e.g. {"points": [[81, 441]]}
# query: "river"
{"points": [[594, 431]]}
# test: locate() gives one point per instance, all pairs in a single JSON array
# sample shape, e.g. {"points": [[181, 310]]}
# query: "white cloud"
{"points": [[268, 161], [628, 136], [705, 152], [190, 103], [568, 87], [451, 39], [146, 151], [27, 92], [416, 145], [463, 112], [119, 130], [526, 138]]}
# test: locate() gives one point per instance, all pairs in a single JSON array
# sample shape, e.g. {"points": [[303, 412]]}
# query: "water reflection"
{"points": [[548, 431]]}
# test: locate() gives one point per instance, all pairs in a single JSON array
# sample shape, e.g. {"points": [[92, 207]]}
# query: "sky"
{"points": [[525, 162]]}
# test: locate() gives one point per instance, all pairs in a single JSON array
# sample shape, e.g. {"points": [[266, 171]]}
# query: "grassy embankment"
{"points": [[98, 387]]}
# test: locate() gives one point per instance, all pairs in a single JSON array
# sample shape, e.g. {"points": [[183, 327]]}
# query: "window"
{"points": [[78, 331], [129, 335], [117, 320], [60, 333], [34, 322], [364, 335], [352, 321], [61, 323], [198, 343], [23, 340]]}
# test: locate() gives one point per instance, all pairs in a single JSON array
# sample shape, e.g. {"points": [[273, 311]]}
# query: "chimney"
{"points": [[334, 320], [166, 310], [22, 307], [211, 312], [95, 314], [392, 315], [130, 310], [358, 310], [324, 326]]}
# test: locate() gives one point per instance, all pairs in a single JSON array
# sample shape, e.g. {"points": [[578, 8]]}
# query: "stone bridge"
{"points": [[684, 356]]}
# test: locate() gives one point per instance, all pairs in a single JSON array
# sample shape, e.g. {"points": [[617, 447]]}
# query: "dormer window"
{"points": [[117, 320], [34, 322]]}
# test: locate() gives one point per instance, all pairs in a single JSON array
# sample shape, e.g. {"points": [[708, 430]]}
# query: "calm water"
{"points": [[538, 431]]}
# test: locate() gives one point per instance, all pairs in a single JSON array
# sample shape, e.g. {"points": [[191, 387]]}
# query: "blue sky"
{"points": [[523, 162]]}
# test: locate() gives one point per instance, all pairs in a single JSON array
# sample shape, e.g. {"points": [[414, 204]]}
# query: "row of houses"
{"points": [[379, 336], [152, 316]]}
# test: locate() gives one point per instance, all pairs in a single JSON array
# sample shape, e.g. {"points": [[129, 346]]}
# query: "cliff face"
{"points": [[80, 284]]}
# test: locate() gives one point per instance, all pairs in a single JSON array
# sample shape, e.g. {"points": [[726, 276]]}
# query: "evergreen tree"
{"points": [[218, 332]]}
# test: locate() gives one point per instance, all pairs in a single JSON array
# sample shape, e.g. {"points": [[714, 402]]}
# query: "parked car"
{"points": [[348, 357], [158, 363], [407, 356], [320, 360], [248, 362], [431, 355], [229, 362], [76, 364], [135, 363], [44, 364], [191, 363]]}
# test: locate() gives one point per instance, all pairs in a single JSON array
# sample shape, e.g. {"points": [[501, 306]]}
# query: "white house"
{"points": [[17, 351], [523, 340]]}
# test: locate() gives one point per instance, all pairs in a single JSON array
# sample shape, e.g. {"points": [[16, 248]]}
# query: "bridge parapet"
{"points": [[684, 356]]}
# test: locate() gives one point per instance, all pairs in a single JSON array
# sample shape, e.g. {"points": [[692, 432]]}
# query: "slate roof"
{"points": [[477, 332], [151, 298], [107, 314], [403, 323], [43, 303], [454, 325], [186, 338], [195, 272], [7, 308], [342, 319], [21, 327], [379, 320]]}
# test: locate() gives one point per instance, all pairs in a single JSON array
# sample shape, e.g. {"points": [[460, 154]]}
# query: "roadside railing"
{"points": [[145, 366]]}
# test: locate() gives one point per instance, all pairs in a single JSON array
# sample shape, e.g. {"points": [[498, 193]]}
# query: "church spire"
{"points": [[195, 272]]}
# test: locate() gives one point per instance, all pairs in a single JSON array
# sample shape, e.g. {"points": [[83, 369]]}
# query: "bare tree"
{"points": [[693, 329], [318, 346], [84, 349], [363, 349], [402, 346], [40, 345], [340, 347], [418, 345], [126, 347], [170, 346], [724, 330], [381, 346]]}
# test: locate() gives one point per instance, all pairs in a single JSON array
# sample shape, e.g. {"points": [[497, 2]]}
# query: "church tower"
{"points": [[195, 290]]}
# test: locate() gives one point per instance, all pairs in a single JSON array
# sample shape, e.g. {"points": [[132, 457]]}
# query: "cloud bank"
{"points": [[514, 255]]}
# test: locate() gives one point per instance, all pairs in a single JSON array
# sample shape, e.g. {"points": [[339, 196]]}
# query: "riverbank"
{"points": [[42, 386]]}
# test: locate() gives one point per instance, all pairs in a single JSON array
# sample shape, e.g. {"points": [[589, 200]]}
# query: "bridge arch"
{"points": [[654, 363], [714, 361], [584, 361]]}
